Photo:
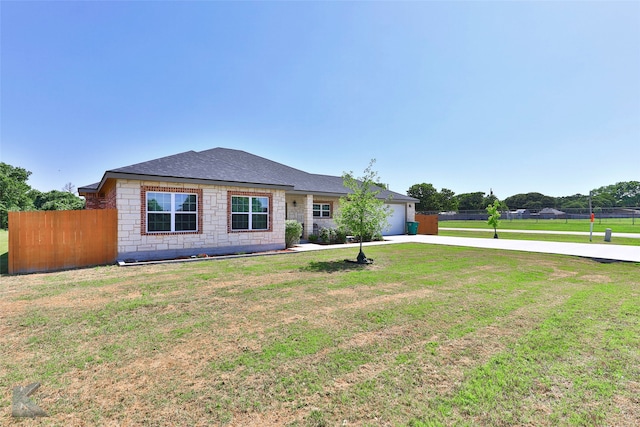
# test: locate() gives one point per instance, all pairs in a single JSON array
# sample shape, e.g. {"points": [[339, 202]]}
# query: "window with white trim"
{"points": [[171, 212], [322, 210], [249, 213]]}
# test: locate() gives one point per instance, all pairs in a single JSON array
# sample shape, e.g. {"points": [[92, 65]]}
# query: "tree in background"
{"points": [[427, 195], [361, 213], [17, 195], [494, 216], [603, 199], [490, 198], [471, 201], [69, 188], [577, 201], [534, 201], [623, 194], [432, 200], [14, 191], [55, 200], [628, 193], [448, 200]]}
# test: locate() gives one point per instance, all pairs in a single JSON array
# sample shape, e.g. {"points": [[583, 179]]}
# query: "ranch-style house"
{"points": [[220, 201]]}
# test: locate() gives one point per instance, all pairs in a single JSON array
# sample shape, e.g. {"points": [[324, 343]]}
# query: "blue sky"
{"points": [[470, 96]]}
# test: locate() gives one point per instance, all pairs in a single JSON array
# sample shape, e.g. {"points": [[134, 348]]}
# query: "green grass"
{"points": [[617, 225], [502, 386], [4, 251], [615, 240], [425, 336]]}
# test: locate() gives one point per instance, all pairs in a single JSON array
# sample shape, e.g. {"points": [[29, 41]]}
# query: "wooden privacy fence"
{"points": [[428, 224], [57, 240]]}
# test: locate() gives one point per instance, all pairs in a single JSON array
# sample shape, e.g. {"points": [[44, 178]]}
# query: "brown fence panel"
{"points": [[428, 224], [57, 240]]}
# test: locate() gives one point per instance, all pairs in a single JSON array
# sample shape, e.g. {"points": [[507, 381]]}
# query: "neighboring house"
{"points": [[551, 213], [625, 213], [519, 214], [220, 201]]}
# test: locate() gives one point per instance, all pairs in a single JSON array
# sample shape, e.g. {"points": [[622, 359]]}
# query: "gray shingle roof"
{"points": [[223, 165]]}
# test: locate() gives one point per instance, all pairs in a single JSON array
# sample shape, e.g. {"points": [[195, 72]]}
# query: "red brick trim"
{"points": [[143, 211], [103, 200], [230, 194]]}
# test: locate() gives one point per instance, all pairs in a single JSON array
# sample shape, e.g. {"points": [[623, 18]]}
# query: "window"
{"points": [[171, 212], [322, 210], [249, 213]]}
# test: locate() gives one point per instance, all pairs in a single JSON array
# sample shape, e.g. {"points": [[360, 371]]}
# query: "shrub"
{"points": [[313, 238], [292, 232], [332, 235], [369, 237], [341, 236], [327, 235]]}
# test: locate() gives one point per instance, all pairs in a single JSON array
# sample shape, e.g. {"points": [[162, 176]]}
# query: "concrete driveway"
{"points": [[597, 251]]}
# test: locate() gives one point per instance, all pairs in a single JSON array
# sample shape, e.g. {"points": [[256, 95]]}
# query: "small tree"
{"points": [[494, 217], [361, 212]]}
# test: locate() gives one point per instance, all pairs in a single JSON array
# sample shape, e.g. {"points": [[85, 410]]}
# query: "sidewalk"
{"points": [[589, 250]]}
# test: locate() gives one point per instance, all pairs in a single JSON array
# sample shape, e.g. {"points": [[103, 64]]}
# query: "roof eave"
{"points": [[142, 177]]}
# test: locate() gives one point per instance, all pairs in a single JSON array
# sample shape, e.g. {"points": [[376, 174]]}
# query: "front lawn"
{"points": [[4, 251], [425, 336]]}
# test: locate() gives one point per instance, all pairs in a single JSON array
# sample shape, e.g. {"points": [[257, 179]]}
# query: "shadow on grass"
{"points": [[4, 263], [332, 266]]}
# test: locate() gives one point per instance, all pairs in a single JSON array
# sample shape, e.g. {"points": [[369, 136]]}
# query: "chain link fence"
{"points": [[602, 215]]}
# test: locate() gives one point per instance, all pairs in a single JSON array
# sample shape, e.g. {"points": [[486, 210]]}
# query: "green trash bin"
{"points": [[412, 228]]}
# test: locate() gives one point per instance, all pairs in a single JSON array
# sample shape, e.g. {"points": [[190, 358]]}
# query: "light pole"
{"points": [[590, 219]]}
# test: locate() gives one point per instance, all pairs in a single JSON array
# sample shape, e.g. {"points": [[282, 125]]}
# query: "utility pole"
{"points": [[590, 219]]}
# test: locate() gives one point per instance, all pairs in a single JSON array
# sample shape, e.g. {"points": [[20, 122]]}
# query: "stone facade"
{"points": [[213, 236], [302, 211]]}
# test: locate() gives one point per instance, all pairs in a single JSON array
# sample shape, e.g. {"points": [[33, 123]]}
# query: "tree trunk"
{"points": [[362, 258]]}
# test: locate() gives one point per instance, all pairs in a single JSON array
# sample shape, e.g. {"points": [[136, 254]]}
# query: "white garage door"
{"points": [[397, 220]]}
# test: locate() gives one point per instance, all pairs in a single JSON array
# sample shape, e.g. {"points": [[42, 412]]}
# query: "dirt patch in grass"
{"points": [[359, 303], [443, 366], [627, 407], [297, 340], [562, 274], [596, 278]]}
